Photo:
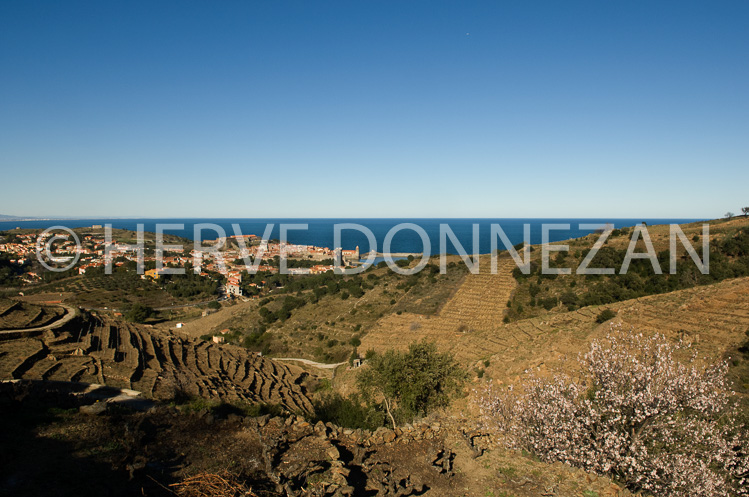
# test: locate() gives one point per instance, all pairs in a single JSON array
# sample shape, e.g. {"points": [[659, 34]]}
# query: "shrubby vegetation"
{"points": [[605, 315], [413, 383], [189, 403], [396, 387], [348, 412], [9, 271], [307, 263], [189, 285], [639, 415], [729, 258], [282, 314], [123, 277], [139, 313]]}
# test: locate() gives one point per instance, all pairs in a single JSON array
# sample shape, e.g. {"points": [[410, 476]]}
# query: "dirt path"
{"points": [[320, 365]]}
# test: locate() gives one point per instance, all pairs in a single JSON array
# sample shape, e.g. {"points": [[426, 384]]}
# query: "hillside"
{"points": [[212, 395], [16, 314], [161, 366], [714, 317], [446, 456], [538, 294], [324, 321], [5, 217]]}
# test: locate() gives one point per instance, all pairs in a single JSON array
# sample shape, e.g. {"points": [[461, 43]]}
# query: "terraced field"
{"points": [[714, 318], [478, 305], [16, 314], [159, 365]]}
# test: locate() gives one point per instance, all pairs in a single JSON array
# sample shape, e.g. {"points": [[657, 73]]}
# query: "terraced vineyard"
{"points": [[15, 314], [714, 318], [478, 304], [159, 365]]}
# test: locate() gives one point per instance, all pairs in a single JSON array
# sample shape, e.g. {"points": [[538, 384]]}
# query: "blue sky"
{"points": [[374, 109]]}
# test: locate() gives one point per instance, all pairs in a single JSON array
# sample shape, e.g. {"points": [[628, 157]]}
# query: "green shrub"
{"points": [[548, 303], [411, 383], [138, 313], [605, 315], [348, 412]]}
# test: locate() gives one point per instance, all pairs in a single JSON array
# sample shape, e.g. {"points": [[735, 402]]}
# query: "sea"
{"points": [[320, 232]]}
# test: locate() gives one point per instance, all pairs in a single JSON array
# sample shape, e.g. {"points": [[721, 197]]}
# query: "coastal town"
{"points": [[231, 258]]}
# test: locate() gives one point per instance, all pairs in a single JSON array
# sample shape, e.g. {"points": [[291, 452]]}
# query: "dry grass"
{"points": [[714, 318], [223, 484], [478, 305]]}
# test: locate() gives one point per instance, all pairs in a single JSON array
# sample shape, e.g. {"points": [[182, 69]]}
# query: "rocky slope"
{"points": [[161, 366]]}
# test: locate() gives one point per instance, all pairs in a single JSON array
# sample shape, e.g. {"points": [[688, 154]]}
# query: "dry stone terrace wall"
{"points": [[714, 318], [478, 304], [437, 456], [158, 365], [16, 314]]}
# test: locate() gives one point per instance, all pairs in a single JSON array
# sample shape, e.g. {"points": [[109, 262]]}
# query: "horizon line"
{"points": [[144, 218]]}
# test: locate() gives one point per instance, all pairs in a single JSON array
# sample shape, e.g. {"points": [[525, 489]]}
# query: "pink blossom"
{"points": [[654, 423]]}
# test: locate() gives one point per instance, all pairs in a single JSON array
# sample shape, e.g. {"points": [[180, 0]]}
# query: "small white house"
{"points": [[218, 339], [180, 325]]}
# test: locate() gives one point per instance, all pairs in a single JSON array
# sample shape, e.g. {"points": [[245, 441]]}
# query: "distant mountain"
{"points": [[4, 217]]}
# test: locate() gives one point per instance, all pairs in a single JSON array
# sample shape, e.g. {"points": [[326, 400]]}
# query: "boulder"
{"points": [[94, 409], [333, 453], [388, 436]]}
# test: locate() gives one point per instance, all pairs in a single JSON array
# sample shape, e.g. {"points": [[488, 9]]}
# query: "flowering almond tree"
{"points": [[638, 415]]}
